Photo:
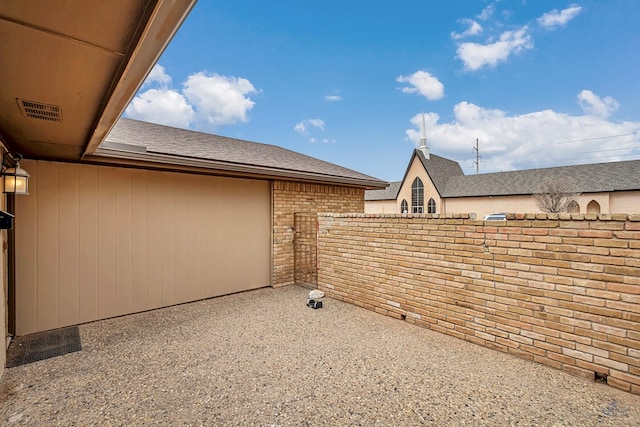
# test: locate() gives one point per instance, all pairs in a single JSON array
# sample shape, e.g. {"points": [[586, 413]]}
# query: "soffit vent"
{"points": [[40, 111]]}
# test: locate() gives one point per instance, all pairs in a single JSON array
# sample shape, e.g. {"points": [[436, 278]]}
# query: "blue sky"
{"points": [[539, 83]]}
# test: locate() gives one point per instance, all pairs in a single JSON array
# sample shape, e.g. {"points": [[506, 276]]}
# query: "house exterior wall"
{"points": [[382, 206], [291, 197], [616, 202], [624, 202], [4, 320], [416, 170], [561, 290], [601, 198], [482, 206], [94, 242]]}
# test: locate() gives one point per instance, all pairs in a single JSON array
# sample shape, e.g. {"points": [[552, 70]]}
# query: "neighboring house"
{"points": [[433, 184], [154, 216]]}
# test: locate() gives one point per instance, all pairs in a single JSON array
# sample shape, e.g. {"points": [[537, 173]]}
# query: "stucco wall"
{"points": [[381, 206], [292, 197], [562, 292], [615, 202], [482, 206], [416, 170], [624, 202]]}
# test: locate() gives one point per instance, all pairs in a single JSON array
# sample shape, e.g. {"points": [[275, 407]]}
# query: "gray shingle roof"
{"points": [[591, 178], [389, 193], [440, 170], [149, 138]]}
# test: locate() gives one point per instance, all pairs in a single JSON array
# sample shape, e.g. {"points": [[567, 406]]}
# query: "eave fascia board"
{"points": [[166, 18], [175, 163]]}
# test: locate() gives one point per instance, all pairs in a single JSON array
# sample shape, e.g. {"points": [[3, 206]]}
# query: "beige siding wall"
{"points": [[382, 206], [94, 242], [3, 293], [416, 170]]}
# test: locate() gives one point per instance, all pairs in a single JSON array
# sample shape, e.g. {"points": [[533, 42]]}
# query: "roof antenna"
{"points": [[477, 160], [423, 139]]}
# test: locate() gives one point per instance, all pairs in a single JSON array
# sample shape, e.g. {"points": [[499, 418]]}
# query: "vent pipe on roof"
{"points": [[423, 139]]}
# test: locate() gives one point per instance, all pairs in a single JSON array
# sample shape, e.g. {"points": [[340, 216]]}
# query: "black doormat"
{"points": [[43, 345]]}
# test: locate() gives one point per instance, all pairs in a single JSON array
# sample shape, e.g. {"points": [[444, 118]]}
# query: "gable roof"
{"points": [[389, 193], [439, 169], [591, 178], [172, 147]]}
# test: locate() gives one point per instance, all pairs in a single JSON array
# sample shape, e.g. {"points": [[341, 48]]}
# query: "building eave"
{"points": [[107, 155]]}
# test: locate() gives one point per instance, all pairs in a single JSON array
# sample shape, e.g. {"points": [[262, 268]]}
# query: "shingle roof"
{"points": [[389, 193], [440, 170], [592, 178], [146, 139]]}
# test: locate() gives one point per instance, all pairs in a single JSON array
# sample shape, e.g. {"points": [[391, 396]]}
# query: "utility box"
{"points": [[6, 220]]}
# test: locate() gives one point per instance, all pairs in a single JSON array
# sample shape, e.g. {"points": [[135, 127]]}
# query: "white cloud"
{"points": [[310, 128], [487, 12], [220, 100], [303, 126], [594, 105], [333, 98], [158, 76], [423, 83], [476, 56], [322, 140], [316, 123], [515, 142], [205, 101], [163, 106], [473, 30], [556, 18]]}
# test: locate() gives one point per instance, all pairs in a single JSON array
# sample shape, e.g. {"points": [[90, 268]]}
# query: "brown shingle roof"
{"points": [[591, 178], [146, 139]]}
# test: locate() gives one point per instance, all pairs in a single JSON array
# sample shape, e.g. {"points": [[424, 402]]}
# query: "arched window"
{"points": [[573, 207], [431, 206], [417, 196], [404, 206], [593, 207]]}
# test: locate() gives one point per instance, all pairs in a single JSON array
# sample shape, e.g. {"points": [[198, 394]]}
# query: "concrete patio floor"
{"points": [[263, 358]]}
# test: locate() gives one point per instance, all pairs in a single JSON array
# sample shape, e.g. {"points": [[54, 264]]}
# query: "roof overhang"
{"points": [[69, 69], [110, 153]]}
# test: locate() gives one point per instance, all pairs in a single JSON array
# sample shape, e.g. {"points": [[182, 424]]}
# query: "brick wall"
{"points": [[562, 290], [292, 197]]}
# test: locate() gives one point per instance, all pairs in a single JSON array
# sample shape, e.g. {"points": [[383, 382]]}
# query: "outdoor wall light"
{"points": [[15, 180]]}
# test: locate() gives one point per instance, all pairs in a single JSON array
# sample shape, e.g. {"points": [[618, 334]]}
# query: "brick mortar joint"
{"points": [[510, 216]]}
